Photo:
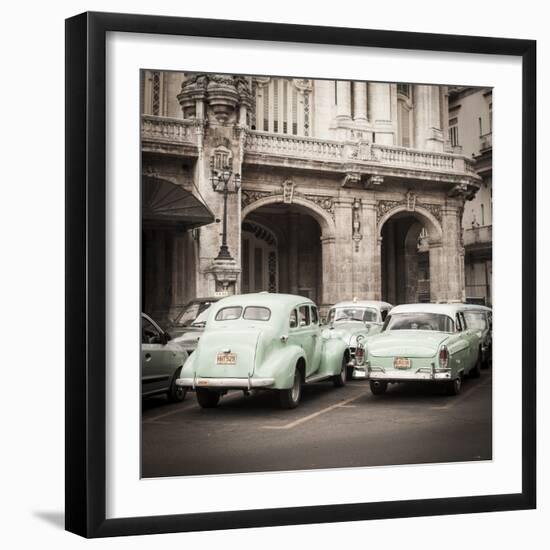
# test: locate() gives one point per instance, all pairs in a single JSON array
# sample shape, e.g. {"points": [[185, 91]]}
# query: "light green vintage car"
{"points": [[355, 319], [422, 342], [263, 341]]}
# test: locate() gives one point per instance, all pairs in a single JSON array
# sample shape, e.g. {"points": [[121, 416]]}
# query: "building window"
{"points": [[480, 126], [404, 128], [335, 92], [453, 135], [482, 214], [283, 112], [156, 93], [404, 89], [490, 117]]}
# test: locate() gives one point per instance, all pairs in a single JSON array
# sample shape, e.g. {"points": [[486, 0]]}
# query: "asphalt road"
{"points": [[331, 428]]}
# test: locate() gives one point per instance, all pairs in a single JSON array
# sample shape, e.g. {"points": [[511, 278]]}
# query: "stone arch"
{"points": [[323, 218], [432, 224]]}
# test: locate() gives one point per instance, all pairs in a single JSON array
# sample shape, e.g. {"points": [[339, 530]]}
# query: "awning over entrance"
{"points": [[170, 204]]}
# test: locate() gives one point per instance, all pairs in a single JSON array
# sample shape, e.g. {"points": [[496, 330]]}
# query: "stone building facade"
{"points": [[471, 132], [337, 189]]}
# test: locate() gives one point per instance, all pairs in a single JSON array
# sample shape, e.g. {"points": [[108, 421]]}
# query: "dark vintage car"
{"points": [[480, 318], [161, 362], [188, 326]]}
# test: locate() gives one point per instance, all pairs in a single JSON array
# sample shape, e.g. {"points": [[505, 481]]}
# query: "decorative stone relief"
{"points": [[385, 206], [356, 223], [288, 191], [250, 196], [350, 178], [374, 181]]}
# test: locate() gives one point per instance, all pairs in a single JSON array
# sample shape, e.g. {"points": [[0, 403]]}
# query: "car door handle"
{"points": [[147, 357]]}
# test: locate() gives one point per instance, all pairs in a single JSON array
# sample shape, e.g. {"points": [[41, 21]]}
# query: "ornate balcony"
{"points": [[486, 142], [478, 236], [169, 135], [306, 148]]}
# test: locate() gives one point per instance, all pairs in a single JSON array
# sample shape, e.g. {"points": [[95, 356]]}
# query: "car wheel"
{"points": [[378, 387], [454, 386], [207, 399], [289, 399], [176, 394], [339, 380], [476, 371]]}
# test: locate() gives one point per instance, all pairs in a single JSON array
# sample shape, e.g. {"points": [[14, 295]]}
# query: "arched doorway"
{"points": [[281, 251], [408, 239]]}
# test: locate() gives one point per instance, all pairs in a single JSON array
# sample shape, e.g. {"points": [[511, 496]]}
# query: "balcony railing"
{"points": [[294, 146], [329, 150], [175, 131], [167, 130], [486, 142], [478, 235]]}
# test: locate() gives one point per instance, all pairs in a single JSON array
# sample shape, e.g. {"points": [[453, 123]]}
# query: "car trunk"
{"points": [[228, 353], [397, 343]]}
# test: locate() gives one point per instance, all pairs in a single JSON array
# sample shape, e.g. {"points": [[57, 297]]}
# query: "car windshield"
{"points": [[419, 321], [475, 320], [191, 313], [363, 314], [200, 321]]}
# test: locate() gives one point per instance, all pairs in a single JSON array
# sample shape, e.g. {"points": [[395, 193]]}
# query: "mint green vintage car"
{"points": [[422, 342], [263, 341], [355, 319]]}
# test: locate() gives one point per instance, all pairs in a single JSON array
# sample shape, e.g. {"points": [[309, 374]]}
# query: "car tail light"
{"points": [[359, 355], [443, 357]]}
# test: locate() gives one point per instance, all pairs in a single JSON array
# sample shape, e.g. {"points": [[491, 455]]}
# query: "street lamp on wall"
{"points": [[220, 180]]}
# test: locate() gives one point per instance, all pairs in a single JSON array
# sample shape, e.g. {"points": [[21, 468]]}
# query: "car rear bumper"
{"points": [[423, 373], [225, 383]]}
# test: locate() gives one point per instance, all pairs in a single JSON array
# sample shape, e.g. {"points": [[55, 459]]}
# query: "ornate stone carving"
{"points": [[250, 196], [356, 223], [374, 181], [288, 191], [222, 93], [385, 206], [326, 203], [350, 178], [411, 200]]}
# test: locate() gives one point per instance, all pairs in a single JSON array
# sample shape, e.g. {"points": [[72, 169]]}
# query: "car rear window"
{"points": [[256, 313], [229, 313]]}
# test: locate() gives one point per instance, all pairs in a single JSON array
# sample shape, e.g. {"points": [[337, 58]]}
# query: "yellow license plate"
{"points": [[401, 363], [226, 358]]}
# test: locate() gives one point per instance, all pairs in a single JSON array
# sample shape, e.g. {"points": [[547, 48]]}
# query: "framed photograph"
{"points": [[286, 301]]}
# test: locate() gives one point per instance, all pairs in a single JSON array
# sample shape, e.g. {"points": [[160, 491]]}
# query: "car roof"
{"points": [[363, 303], [445, 309], [266, 299], [476, 306]]}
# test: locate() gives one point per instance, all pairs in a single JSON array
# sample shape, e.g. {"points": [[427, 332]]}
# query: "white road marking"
{"points": [[315, 414]]}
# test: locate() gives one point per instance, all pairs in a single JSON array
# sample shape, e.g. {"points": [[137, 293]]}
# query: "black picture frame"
{"points": [[85, 273]]}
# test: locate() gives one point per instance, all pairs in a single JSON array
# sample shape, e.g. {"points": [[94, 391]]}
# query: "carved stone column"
{"points": [[328, 256], [427, 118], [366, 260], [343, 275], [379, 102], [360, 101], [219, 105], [343, 92], [447, 259], [293, 222]]}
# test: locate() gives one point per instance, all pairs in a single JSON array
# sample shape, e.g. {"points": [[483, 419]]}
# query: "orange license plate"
{"points": [[401, 363], [226, 358]]}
